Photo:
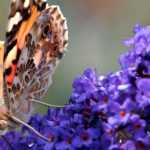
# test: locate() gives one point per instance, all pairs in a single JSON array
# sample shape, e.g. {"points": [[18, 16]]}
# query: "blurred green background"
{"points": [[96, 31]]}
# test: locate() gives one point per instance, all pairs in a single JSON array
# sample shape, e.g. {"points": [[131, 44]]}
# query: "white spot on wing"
{"points": [[37, 57], [13, 1], [11, 56], [14, 21], [26, 3]]}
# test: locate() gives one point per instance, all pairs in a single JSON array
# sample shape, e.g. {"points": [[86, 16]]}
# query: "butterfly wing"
{"points": [[23, 14], [34, 60]]}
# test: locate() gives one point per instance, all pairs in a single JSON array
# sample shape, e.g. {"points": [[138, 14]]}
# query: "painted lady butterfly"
{"points": [[36, 37]]}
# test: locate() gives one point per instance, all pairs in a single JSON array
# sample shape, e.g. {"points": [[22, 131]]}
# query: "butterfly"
{"points": [[36, 39]]}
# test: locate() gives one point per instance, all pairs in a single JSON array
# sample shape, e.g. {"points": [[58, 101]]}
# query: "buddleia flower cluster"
{"points": [[110, 112]]}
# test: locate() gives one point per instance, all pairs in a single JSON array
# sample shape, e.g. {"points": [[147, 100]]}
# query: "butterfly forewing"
{"points": [[23, 14]]}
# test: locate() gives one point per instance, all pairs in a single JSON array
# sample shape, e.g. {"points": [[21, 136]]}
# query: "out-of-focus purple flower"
{"points": [[140, 46]]}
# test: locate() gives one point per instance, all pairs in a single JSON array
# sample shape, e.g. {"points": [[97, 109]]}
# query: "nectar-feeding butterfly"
{"points": [[36, 38]]}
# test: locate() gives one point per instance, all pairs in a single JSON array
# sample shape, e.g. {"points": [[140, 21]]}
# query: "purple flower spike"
{"points": [[109, 112]]}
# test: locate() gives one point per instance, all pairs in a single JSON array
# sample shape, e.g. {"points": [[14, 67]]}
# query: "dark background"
{"points": [[96, 31]]}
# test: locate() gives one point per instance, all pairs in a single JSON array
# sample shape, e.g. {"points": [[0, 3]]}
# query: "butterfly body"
{"points": [[36, 37]]}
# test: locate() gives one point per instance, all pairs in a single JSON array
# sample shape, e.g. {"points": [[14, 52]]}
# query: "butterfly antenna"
{"points": [[29, 127], [45, 104]]}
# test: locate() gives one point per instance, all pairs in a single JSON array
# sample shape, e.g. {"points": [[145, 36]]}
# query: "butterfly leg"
{"points": [[45, 104]]}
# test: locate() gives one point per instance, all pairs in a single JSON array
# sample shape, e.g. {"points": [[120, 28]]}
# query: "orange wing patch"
{"points": [[26, 26]]}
